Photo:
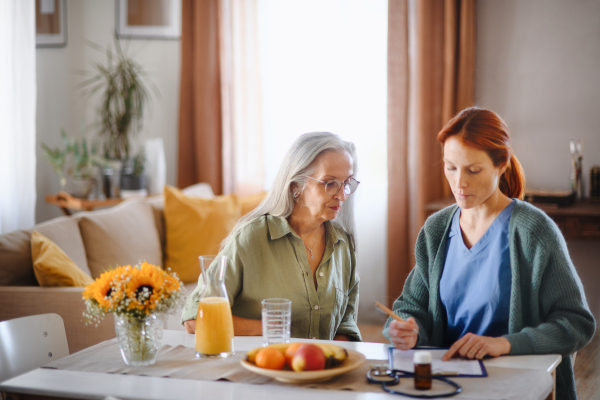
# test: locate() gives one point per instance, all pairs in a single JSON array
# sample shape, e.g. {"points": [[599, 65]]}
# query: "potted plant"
{"points": [[123, 96], [133, 180], [57, 158], [80, 166]]}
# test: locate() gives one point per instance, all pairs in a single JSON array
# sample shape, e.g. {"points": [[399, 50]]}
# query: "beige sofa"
{"points": [[124, 234]]}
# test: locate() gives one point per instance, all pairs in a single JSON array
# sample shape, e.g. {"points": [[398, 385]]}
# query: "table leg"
{"points": [[552, 395]]}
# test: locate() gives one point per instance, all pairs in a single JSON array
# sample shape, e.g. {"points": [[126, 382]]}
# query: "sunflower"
{"points": [[135, 292], [106, 289], [145, 288], [171, 283]]}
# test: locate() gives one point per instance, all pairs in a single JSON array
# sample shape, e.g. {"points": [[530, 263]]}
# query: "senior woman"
{"points": [[297, 244], [493, 275]]}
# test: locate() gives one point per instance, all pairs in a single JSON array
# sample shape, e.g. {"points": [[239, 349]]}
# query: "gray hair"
{"points": [[297, 164]]}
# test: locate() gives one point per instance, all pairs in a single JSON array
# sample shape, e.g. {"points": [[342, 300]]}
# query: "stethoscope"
{"points": [[381, 374]]}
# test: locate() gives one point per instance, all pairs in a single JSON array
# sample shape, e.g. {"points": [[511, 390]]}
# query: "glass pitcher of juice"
{"points": [[214, 324]]}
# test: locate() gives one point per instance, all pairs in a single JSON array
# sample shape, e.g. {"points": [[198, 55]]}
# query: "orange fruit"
{"points": [[270, 358], [289, 353]]}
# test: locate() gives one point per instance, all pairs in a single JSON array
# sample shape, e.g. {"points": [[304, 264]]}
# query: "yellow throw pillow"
{"points": [[52, 267], [252, 201], [195, 226]]}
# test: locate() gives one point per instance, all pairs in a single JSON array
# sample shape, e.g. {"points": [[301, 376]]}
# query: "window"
{"points": [[323, 68]]}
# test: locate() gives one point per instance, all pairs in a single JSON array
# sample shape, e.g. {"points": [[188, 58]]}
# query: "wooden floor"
{"points": [[587, 370], [587, 363]]}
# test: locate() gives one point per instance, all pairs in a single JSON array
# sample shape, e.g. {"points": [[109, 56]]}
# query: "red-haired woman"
{"points": [[493, 275]]}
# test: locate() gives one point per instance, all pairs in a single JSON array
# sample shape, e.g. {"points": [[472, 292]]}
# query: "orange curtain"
{"points": [[431, 63], [200, 117], [397, 144]]}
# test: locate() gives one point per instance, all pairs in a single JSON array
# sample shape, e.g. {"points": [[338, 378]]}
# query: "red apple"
{"points": [[308, 357], [289, 353]]}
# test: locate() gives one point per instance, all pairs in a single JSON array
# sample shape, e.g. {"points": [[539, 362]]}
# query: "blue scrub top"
{"points": [[475, 284]]}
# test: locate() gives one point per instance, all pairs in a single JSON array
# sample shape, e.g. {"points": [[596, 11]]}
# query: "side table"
{"points": [[66, 202]]}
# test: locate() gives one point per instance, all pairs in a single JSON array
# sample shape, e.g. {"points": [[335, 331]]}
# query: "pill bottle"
{"points": [[422, 360]]}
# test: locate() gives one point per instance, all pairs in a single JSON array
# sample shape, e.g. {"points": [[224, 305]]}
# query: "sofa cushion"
{"points": [[195, 226], [52, 267], [64, 232], [251, 201], [16, 267], [122, 235], [158, 205], [202, 189]]}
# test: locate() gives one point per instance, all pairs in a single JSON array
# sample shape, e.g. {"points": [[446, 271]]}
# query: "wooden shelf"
{"points": [[67, 202]]}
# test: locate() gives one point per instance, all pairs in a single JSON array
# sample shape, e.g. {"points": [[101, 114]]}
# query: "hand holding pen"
{"points": [[403, 333]]}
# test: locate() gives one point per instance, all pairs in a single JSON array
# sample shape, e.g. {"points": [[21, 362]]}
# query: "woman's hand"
{"points": [[404, 335], [190, 326], [475, 346]]}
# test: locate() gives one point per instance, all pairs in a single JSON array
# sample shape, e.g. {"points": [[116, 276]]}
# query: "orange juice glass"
{"points": [[214, 328], [214, 324]]}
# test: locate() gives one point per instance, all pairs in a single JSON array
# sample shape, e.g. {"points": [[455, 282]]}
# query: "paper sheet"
{"points": [[403, 360]]}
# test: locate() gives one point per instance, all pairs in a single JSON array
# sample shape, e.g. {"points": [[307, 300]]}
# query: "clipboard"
{"points": [[457, 368]]}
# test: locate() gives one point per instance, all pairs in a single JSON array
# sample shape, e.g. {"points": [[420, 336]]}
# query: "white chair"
{"points": [[31, 342]]}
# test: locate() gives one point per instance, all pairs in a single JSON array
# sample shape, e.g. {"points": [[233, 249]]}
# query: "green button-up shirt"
{"points": [[267, 259]]}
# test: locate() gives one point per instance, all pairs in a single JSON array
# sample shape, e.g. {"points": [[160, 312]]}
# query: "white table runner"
{"points": [[180, 362]]}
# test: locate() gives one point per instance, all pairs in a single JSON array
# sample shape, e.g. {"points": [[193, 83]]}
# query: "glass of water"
{"points": [[276, 320]]}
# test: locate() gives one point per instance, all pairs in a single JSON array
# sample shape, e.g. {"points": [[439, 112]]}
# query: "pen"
{"points": [[388, 311], [391, 314]]}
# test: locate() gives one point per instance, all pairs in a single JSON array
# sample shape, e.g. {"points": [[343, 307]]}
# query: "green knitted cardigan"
{"points": [[548, 310]]}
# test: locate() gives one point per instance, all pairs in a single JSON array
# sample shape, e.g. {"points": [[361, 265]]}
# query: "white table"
{"points": [[88, 385]]}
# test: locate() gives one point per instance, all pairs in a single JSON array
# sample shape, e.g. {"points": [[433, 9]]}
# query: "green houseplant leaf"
{"points": [[123, 94], [80, 164]]}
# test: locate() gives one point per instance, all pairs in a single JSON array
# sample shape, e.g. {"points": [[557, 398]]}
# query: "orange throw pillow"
{"points": [[52, 267], [195, 226], [252, 201]]}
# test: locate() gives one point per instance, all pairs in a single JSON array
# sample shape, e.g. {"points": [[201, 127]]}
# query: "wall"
{"points": [[62, 104], [538, 67]]}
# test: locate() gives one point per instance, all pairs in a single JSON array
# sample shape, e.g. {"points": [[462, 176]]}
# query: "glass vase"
{"points": [[139, 339]]}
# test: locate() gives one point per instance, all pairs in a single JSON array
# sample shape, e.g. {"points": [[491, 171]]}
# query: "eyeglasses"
{"points": [[332, 187]]}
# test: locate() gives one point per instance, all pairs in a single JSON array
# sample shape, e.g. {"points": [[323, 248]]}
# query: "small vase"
{"points": [[111, 176], [80, 188], [139, 339]]}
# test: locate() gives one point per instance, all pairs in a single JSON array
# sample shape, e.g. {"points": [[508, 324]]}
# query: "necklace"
{"points": [[313, 245]]}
